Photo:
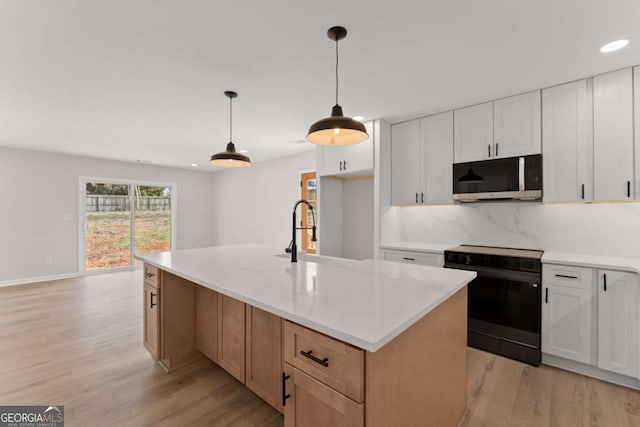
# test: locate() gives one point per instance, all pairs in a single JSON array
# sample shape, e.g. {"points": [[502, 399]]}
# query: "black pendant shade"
{"points": [[471, 178], [230, 158], [337, 129]]}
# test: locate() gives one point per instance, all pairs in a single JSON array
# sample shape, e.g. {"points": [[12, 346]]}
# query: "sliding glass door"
{"points": [[117, 214]]}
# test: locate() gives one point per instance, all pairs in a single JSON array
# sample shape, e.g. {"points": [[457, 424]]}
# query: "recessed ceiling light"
{"points": [[195, 165], [243, 151], [614, 45], [358, 118]]}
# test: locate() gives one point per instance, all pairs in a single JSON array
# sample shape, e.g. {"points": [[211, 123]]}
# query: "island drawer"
{"points": [[333, 362], [566, 275], [151, 275]]}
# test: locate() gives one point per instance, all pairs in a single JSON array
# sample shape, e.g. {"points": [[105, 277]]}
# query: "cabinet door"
{"points": [[516, 123], [473, 132], [358, 157], [329, 160], [264, 355], [313, 404], [568, 148], [437, 132], [405, 163], [618, 322], [613, 136], [231, 336], [152, 321], [566, 322], [207, 322]]}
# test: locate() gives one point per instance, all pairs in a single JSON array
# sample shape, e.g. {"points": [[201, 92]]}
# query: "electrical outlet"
{"points": [[48, 260]]}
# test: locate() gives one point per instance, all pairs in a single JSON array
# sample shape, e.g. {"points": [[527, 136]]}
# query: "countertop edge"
{"points": [[592, 261]]}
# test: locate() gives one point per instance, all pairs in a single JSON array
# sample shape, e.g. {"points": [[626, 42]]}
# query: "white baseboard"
{"points": [[31, 280], [590, 371]]}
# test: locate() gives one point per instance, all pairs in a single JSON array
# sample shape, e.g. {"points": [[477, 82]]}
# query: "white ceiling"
{"points": [[144, 79]]}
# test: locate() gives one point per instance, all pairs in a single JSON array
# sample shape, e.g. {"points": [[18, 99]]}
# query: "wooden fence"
{"points": [[107, 203]]}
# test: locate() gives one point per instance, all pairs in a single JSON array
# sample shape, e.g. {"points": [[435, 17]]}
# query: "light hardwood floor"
{"points": [[78, 343]]}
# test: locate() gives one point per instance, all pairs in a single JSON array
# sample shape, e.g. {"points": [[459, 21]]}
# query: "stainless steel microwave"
{"points": [[511, 178]]}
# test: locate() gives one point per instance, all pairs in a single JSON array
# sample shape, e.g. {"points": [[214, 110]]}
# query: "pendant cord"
{"points": [[337, 58], [230, 120]]}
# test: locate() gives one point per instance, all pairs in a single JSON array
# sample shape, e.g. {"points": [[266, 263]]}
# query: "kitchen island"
{"points": [[327, 341]]}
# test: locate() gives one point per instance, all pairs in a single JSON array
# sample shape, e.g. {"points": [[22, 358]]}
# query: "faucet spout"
{"points": [[293, 247]]}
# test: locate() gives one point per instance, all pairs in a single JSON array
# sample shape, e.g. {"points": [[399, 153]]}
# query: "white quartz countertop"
{"points": [[364, 303], [418, 247], [593, 261]]}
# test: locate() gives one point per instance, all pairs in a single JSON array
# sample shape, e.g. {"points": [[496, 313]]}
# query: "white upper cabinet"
{"points": [[567, 135], [473, 131], [358, 157], [516, 125], [329, 160], [437, 137], [618, 322], [613, 136], [636, 97], [346, 159], [406, 163], [421, 161]]}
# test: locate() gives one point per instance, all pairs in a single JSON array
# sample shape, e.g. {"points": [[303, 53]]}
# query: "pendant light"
{"points": [[337, 129], [230, 158]]}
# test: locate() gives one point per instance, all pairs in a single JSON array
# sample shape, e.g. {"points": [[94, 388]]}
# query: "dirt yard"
{"points": [[108, 242]]}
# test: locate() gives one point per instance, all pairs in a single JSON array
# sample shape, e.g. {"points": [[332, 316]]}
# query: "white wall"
{"points": [[611, 229], [358, 218], [254, 205], [37, 189]]}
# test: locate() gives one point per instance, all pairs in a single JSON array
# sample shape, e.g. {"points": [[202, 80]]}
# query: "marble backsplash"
{"points": [[607, 229]]}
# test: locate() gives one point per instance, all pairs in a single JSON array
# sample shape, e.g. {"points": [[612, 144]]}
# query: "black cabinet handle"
{"points": [[309, 354], [604, 279], [546, 295], [566, 276], [496, 148], [628, 188], [340, 164], [344, 165], [488, 150], [153, 304], [421, 197], [416, 197], [285, 396], [582, 191], [408, 259], [148, 275]]}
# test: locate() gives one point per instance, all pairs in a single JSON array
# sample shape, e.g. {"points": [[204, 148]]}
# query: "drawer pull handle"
{"points": [[153, 304], [564, 276], [546, 296], [148, 275], [604, 278], [285, 396], [408, 259], [309, 354]]}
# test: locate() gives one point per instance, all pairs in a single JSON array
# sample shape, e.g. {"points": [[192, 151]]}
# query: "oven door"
{"points": [[505, 305]]}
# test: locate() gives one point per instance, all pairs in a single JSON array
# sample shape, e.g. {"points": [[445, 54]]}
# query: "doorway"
{"points": [[123, 219], [308, 192]]}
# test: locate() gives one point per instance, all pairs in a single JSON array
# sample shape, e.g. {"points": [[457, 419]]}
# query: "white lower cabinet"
{"points": [[618, 322], [566, 322], [422, 258]]}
